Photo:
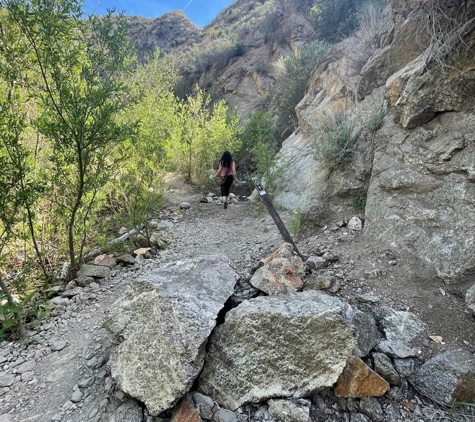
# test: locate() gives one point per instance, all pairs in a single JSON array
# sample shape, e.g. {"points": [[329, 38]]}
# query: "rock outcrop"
{"points": [[162, 323], [277, 346], [413, 170]]}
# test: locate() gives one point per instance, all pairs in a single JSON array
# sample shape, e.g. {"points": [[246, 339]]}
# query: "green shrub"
{"points": [[376, 121], [335, 19], [292, 74], [335, 141], [358, 202]]}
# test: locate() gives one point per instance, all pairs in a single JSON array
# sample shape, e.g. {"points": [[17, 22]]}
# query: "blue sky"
{"points": [[200, 12]]}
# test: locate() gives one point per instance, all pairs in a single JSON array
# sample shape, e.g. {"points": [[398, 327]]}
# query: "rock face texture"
{"points": [[164, 320], [282, 346], [415, 168]]}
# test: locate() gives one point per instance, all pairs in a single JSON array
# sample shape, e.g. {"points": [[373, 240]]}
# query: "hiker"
{"points": [[227, 173]]}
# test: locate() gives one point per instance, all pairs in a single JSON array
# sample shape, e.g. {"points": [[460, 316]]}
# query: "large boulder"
{"points": [[277, 346], [164, 320]]}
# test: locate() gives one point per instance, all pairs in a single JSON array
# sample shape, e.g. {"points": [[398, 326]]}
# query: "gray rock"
{"points": [[27, 376], [359, 417], [447, 377], [371, 407], [223, 415], [290, 410], [57, 345], [87, 382], [126, 259], [164, 224], [6, 418], [25, 367], [470, 299], [383, 367], [204, 404], [355, 224], [395, 349], [6, 380], [128, 412], [71, 292], [320, 282], [77, 396], [185, 205], [96, 271], [405, 367], [316, 262], [277, 346], [60, 301], [367, 333], [165, 318], [96, 362], [84, 281], [401, 326]]}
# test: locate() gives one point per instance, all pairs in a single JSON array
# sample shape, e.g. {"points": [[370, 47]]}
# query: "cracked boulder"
{"points": [[163, 322], [277, 347]]}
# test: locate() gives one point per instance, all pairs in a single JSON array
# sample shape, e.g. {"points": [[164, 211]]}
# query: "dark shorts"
{"points": [[227, 185]]}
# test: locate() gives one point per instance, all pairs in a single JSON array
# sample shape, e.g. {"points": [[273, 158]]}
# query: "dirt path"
{"points": [[63, 377]]}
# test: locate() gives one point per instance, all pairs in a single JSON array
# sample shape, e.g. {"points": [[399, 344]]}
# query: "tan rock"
{"points": [[105, 261], [281, 272], [359, 380], [185, 412]]}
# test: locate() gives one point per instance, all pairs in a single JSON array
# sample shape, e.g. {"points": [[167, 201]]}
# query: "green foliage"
{"points": [[335, 19], [292, 74], [335, 141], [358, 202], [259, 129], [376, 120], [9, 315], [79, 94], [294, 224], [204, 132]]}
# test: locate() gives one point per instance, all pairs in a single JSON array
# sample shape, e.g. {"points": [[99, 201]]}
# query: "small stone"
{"points": [[86, 382], [470, 299], [84, 281], [57, 417], [395, 349], [105, 261], [371, 407], [185, 205], [204, 404], [93, 413], [120, 394], [77, 396], [60, 301], [57, 345], [27, 376], [359, 380], [383, 366], [223, 415], [316, 262], [96, 362], [96, 271], [355, 224], [127, 259], [7, 380]]}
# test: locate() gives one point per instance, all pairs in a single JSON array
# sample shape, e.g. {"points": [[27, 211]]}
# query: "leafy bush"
{"points": [[335, 141], [292, 74], [335, 19], [259, 129]]}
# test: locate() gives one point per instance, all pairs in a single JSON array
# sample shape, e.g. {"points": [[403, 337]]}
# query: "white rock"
{"points": [[355, 224]]}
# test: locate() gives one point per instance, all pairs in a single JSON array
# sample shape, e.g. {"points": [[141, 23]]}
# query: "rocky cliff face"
{"points": [[166, 32], [417, 169]]}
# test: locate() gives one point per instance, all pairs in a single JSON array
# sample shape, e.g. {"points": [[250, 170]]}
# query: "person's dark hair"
{"points": [[226, 159]]}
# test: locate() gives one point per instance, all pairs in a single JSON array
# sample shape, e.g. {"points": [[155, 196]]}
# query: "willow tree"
{"points": [[77, 63]]}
